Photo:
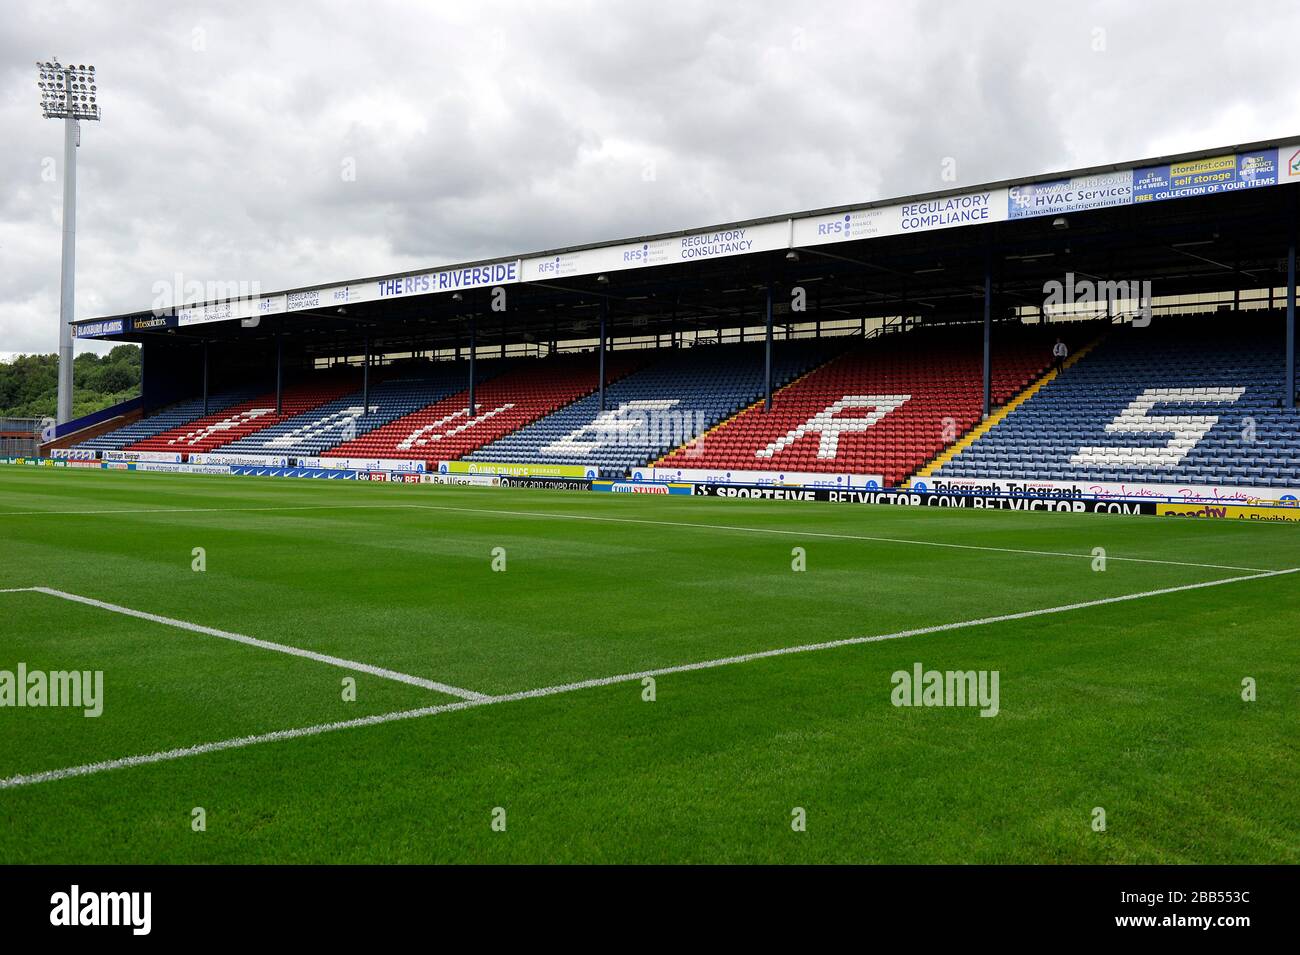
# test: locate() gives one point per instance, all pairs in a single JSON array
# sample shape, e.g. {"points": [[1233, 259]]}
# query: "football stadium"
{"points": [[954, 528], [791, 540]]}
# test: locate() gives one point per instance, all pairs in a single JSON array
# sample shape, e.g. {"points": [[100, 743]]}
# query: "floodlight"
{"points": [[67, 93]]}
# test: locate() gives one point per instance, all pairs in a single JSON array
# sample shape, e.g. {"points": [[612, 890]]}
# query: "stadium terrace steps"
{"points": [[664, 405], [166, 419], [344, 419], [245, 418], [1178, 402], [885, 408], [998, 416], [444, 430]]}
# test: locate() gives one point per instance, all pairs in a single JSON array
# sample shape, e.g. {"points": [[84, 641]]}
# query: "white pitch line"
{"points": [[264, 644], [824, 534], [89, 769]]}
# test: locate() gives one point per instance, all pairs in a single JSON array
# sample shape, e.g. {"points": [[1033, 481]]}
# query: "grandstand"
{"points": [[504, 403], [238, 421], [884, 408], [652, 411], [170, 417], [326, 424], [1186, 401], [897, 342]]}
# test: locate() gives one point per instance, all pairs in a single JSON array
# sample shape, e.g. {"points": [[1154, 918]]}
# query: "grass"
{"points": [[1134, 707]]}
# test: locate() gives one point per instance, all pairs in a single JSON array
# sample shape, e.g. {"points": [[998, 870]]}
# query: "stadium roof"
{"points": [[923, 254]]}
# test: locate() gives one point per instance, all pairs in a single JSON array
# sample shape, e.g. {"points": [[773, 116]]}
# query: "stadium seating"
{"points": [[1184, 400], [166, 419], [444, 431], [344, 419], [658, 408], [887, 407], [215, 430]]}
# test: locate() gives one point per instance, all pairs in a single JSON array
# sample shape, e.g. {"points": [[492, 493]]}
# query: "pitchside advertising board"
{"points": [[634, 487], [1231, 512], [157, 457], [363, 464], [506, 469], [548, 483], [40, 462], [1226, 504], [1118, 490], [871, 482], [165, 468], [917, 499], [461, 480], [217, 457]]}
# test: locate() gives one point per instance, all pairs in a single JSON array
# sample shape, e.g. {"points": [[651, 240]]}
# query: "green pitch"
{"points": [[443, 607]]}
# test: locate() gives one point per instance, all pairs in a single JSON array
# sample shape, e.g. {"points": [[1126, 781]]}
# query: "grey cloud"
{"points": [[495, 128]]}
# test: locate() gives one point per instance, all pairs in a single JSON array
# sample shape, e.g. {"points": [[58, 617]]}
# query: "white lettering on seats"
{"points": [[1187, 430], [225, 424], [345, 418], [831, 427], [615, 426], [432, 431]]}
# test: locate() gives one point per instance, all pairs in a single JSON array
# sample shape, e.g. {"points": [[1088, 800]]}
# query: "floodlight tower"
{"points": [[67, 93]]}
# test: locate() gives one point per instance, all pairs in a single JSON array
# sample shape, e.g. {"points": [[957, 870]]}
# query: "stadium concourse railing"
{"points": [[19, 436]]}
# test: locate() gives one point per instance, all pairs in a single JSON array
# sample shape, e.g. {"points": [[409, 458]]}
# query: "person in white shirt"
{"points": [[1059, 353]]}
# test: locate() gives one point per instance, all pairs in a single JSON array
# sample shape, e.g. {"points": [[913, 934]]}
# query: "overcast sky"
{"points": [[287, 143]]}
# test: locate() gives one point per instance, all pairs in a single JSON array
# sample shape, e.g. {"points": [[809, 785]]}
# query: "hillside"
{"points": [[29, 384]]}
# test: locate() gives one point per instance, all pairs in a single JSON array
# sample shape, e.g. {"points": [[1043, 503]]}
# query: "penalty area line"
{"points": [[89, 769], [340, 662]]}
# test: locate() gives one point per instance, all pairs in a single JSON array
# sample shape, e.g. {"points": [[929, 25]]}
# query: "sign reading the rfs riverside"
{"points": [[446, 280]]}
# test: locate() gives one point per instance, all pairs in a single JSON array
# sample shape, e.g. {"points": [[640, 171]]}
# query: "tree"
{"points": [[29, 385]]}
